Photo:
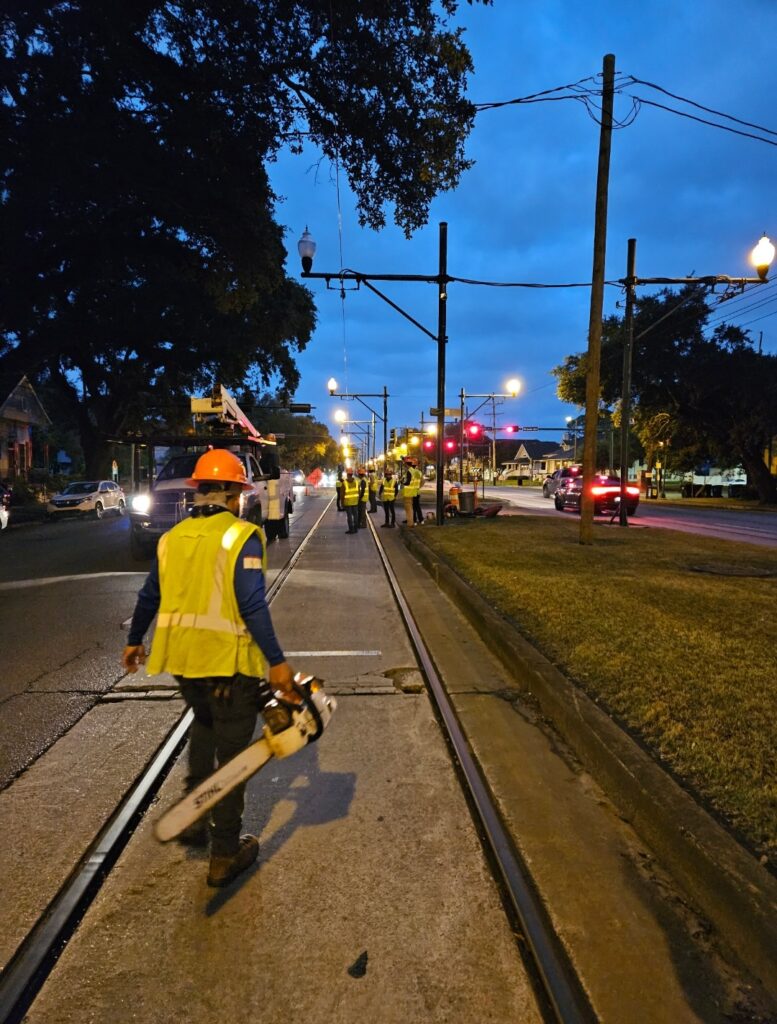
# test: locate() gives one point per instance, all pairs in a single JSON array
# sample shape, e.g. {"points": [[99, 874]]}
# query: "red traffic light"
{"points": [[473, 429], [428, 445], [511, 429], [450, 446]]}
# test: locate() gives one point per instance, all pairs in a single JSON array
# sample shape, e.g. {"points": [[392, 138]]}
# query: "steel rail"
{"points": [[560, 982], [35, 957]]}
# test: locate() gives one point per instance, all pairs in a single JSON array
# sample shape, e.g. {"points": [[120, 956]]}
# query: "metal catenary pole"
{"points": [[442, 284], [628, 345]]}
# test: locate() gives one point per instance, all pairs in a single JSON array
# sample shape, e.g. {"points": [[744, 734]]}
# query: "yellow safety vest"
{"points": [[416, 479], [362, 481], [373, 479], [199, 630], [350, 492], [389, 489], [339, 484]]}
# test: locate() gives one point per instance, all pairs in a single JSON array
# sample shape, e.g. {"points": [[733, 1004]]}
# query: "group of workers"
{"points": [[357, 490]]}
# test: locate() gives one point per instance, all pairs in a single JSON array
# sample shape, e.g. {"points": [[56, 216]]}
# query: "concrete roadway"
{"points": [[747, 527]]}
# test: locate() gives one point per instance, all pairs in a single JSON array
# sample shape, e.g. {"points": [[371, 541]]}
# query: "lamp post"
{"points": [[761, 257], [331, 386], [513, 387], [307, 250]]}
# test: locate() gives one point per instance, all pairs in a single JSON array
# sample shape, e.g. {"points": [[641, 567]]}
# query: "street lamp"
{"points": [[761, 258], [307, 248], [331, 386]]}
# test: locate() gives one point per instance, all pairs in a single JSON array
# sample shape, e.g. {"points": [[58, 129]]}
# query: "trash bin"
{"points": [[467, 503]]}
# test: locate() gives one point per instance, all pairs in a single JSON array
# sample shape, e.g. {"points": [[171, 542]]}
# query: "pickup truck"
{"points": [[268, 503]]}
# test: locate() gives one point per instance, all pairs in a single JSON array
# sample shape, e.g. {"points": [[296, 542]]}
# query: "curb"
{"points": [[727, 884]]}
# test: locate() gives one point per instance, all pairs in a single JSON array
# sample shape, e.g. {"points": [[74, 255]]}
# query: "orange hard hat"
{"points": [[219, 466]]}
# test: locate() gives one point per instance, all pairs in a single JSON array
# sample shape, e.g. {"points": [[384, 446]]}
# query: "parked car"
{"points": [[554, 480], [268, 503], [87, 497], [5, 506], [606, 491]]}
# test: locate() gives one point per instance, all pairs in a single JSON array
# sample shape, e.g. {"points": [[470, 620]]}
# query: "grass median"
{"points": [[675, 635]]}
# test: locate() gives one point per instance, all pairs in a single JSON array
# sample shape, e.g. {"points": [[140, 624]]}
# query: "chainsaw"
{"points": [[288, 728]]}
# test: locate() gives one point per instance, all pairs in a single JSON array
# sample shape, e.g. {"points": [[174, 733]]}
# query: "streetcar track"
{"points": [[560, 992], [559, 982]]}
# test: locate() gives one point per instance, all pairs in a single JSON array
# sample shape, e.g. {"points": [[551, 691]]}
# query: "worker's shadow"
{"points": [[317, 797]]}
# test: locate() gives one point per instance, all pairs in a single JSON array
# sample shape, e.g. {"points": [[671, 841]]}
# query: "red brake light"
{"points": [[634, 491], [598, 491]]}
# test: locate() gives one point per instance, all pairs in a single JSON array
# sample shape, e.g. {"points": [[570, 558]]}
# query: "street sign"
{"points": [[448, 413]]}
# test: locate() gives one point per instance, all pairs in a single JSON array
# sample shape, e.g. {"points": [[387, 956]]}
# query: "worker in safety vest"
{"points": [[373, 484], [411, 493], [339, 490], [387, 494], [363, 496], [351, 494], [215, 635]]}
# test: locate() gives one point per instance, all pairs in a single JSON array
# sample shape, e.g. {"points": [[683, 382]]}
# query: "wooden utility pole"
{"points": [[597, 303]]}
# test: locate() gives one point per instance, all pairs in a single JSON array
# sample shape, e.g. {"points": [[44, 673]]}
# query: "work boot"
{"points": [[224, 870]]}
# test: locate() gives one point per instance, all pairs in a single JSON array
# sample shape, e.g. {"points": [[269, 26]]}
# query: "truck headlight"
{"points": [[141, 503]]}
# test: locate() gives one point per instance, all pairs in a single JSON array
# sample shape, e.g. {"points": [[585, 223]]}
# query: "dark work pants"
{"points": [[418, 516], [389, 512], [362, 515], [221, 729], [373, 501], [352, 512]]}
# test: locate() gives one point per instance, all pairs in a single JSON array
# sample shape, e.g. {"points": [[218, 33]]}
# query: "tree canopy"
{"points": [[703, 389], [141, 253]]}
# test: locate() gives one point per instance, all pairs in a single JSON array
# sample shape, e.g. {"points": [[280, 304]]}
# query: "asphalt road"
{"points": [[748, 527]]}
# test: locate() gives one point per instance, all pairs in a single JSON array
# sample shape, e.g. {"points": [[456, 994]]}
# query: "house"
{"points": [[536, 459], [20, 412]]}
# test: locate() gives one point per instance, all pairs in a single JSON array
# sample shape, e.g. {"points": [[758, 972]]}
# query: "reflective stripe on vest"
{"points": [[350, 491], [199, 630], [389, 490], [416, 479]]}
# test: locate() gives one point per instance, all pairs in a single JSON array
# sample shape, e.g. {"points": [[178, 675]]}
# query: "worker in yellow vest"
{"points": [[339, 490], [363, 497], [373, 485], [215, 635], [387, 494], [411, 492], [351, 494]]}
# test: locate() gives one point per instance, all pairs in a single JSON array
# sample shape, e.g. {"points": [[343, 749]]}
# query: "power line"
{"points": [[700, 106], [703, 120]]}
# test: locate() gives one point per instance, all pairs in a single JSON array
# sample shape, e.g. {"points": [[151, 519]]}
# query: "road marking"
{"points": [[333, 654], [47, 580]]}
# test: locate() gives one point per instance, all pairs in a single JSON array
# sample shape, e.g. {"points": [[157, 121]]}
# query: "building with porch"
{"points": [[535, 459], [20, 412]]}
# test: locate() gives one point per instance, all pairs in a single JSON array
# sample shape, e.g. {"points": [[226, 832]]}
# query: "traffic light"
{"points": [[450, 446], [428, 445], [512, 429], [473, 429], [393, 437]]}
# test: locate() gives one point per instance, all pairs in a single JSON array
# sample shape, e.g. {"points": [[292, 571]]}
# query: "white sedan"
{"points": [[88, 497]]}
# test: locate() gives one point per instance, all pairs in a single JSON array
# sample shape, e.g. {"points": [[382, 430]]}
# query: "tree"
{"points": [[141, 255], [707, 391]]}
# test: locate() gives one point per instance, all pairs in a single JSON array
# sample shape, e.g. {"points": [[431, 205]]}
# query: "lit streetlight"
{"points": [[761, 257]]}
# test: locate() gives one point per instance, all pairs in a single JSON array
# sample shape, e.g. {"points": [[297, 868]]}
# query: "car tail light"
{"points": [[633, 491], [599, 491]]}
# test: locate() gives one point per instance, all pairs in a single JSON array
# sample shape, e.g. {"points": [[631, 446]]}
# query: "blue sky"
{"points": [[696, 199]]}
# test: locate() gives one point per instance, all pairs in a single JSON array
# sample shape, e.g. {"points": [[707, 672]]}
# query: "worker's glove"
{"points": [[134, 655], [281, 679]]}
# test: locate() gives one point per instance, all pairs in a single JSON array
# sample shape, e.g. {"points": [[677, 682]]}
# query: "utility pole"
{"points": [[592, 385], [628, 345], [442, 287]]}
